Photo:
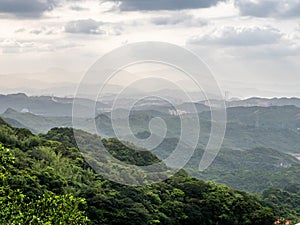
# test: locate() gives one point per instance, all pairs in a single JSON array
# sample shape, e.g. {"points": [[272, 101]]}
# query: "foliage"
{"points": [[286, 204], [47, 181], [17, 208], [252, 170]]}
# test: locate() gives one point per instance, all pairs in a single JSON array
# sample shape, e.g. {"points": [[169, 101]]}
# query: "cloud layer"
{"points": [[179, 19], [269, 8], [88, 26], [135, 5], [239, 36], [26, 8]]}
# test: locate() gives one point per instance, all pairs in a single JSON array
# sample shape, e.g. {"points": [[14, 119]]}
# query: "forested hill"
{"points": [[45, 180]]}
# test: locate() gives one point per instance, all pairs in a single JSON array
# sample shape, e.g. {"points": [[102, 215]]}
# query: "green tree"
{"points": [[17, 208]]}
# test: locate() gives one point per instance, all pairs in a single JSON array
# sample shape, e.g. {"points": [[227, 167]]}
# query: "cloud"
{"points": [[269, 8], [87, 26], [239, 36], [36, 32], [13, 46], [90, 26], [78, 8], [179, 19], [284, 49], [26, 8], [20, 30], [136, 5], [43, 30], [271, 52]]}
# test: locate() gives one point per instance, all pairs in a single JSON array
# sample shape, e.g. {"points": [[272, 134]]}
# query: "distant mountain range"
{"points": [[45, 105], [58, 106], [264, 102], [261, 138], [247, 127]]}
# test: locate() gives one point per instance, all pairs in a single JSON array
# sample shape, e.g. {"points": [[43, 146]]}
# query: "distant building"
{"points": [[283, 221], [177, 112], [25, 110]]}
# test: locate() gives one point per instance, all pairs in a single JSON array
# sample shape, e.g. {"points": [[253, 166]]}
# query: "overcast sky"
{"points": [[252, 46]]}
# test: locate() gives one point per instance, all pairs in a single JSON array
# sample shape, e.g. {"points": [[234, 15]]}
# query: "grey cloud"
{"points": [[78, 8], [28, 8], [179, 19], [21, 30], [235, 36], [135, 5], [269, 8], [88, 26], [36, 32], [44, 31]]}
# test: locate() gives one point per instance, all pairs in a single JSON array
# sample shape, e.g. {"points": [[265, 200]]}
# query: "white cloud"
{"points": [[15, 46], [238, 36]]}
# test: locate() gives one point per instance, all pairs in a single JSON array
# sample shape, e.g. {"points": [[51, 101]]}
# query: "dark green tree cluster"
{"points": [[285, 203], [18, 208]]}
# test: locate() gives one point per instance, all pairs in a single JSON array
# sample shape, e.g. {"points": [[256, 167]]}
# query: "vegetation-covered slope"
{"points": [[47, 174], [252, 170]]}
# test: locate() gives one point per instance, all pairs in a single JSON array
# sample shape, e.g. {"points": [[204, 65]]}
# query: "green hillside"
{"points": [[36, 123], [44, 180], [253, 170]]}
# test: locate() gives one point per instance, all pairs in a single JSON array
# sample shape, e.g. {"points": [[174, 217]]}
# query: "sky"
{"points": [[251, 46]]}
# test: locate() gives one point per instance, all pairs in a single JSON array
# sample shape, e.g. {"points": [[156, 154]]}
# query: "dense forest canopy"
{"points": [[45, 180]]}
